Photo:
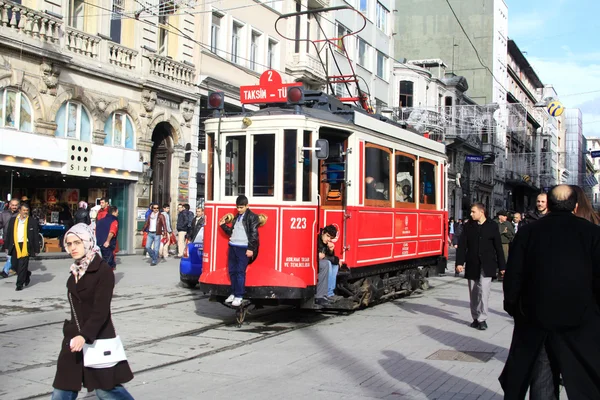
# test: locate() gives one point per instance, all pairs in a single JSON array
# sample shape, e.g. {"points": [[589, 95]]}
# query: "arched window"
{"points": [[74, 124], [15, 110], [119, 131]]}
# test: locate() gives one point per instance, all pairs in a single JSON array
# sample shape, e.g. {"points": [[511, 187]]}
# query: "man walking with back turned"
{"points": [[480, 248]]}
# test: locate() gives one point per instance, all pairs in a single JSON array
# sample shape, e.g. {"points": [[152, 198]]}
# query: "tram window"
{"points": [[404, 191], [307, 168], [263, 180], [377, 175], [235, 166], [210, 166], [289, 164], [427, 182]]}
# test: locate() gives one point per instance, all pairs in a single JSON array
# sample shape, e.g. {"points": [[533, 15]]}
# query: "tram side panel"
{"points": [[284, 267]]}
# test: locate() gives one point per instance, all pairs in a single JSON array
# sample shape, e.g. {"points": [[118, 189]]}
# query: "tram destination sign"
{"points": [[473, 158], [269, 90]]}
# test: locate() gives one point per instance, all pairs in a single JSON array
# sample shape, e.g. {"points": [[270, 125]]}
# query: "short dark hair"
{"points": [[480, 206], [187, 207], [331, 230], [567, 204], [241, 200], [105, 199], [113, 209], [166, 205], [24, 205]]}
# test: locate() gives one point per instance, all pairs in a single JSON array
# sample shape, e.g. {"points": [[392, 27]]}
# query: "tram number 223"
{"points": [[298, 223]]}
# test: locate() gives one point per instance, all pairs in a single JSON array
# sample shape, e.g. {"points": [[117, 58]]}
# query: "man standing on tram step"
{"points": [[243, 247], [552, 290], [22, 241], [481, 249], [106, 236], [328, 266]]}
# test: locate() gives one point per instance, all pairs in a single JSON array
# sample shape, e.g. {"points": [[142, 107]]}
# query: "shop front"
{"points": [[40, 172]]}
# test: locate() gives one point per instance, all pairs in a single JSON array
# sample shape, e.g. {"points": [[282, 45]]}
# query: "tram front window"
{"points": [[263, 180], [235, 166]]}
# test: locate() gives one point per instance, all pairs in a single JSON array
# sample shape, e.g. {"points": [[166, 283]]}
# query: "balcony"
{"points": [[45, 35], [306, 67], [312, 4]]}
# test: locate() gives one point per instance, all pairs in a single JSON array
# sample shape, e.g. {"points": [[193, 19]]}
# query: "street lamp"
{"points": [[453, 46]]}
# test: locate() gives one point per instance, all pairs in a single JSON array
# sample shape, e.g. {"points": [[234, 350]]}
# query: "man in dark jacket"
{"points": [[541, 205], [329, 265], [243, 247], [507, 232], [5, 217], [196, 226], [82, 215], [184, 222], [552, 290], [107, 230], [22, 241], [480, 248]]}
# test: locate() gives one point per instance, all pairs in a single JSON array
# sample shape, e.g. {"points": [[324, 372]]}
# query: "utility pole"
{"points": [[453, 46]]}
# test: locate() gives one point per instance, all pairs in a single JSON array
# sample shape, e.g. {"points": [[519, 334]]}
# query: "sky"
{"points": [[562, 42]]}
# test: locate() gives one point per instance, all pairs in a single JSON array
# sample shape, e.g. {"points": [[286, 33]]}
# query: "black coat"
{"points": [[82, 216], [552, 289], [91, 297], [33, 236], [194, 228], [251, 223], [479, 248]]}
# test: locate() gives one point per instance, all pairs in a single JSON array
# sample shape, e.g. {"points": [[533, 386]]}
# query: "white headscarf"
{"points": [[87, 236]]}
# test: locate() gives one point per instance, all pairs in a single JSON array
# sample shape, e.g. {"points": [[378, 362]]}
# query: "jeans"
{"points": [[117, 393], [237, 261], [153, 246], [8, 265], [332, 279], [108, 254]]}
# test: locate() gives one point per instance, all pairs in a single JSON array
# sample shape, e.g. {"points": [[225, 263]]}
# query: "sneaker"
{"points": [[474, 324], [12, 272], [482, 326], [237, 301], [229, 299], [153, 263], [322, 301]]}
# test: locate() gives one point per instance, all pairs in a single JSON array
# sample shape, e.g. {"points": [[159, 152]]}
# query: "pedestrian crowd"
{"points": [[550, 266]]}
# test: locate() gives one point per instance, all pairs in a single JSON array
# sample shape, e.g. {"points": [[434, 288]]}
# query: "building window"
{"points": [[76, 14], [341, 90], [119, 131], [165, 8], [214, 32], [272, 54], [73, 122], [377, 175], [382, 65], [382, 17], [115, 21], [363, 53], [341, 32], [15, 110], [236, 34], [364, 7], [254, 47], [406, 94]]}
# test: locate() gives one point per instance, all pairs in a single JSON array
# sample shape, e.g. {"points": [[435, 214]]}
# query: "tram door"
{"points": [[332, 184]]}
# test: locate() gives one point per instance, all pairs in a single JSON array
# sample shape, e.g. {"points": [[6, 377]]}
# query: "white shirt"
{"points": [[21, 230], [153, 219]]}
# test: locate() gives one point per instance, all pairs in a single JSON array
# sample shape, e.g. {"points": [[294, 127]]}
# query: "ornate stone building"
{"points": [[116, 83]]}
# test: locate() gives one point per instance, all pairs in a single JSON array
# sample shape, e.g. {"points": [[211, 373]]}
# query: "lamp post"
{"points": [[453, 46]]}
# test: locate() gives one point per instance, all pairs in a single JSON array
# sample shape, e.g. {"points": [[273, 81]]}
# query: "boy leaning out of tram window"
{"points": [[243, 246]]}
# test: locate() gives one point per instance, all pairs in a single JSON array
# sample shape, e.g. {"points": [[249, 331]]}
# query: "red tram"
{"points": [[383, 186]]}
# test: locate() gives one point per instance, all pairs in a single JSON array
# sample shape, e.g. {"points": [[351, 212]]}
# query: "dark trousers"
{"points": [[544, 378], [21, 266], [108, 255], [237, 262]]}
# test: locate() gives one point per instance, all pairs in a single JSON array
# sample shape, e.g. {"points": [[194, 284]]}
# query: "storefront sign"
{"points": [[270, 90], [79, 158], [167, 103]]}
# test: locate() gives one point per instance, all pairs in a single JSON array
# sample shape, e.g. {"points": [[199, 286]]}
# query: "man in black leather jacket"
{"points": [[243, 247], [82, 215]]}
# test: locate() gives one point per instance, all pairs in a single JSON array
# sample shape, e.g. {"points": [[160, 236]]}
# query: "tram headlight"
{"points": [[295, 95], [216, 100]]}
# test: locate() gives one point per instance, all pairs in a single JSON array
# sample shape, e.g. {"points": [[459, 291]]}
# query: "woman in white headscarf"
{"points": [[90, 289]]}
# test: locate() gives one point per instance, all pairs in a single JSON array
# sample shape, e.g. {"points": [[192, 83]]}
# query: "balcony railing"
{"points": [[167, 68], [30, 22], [308, 66], [38, 29]]}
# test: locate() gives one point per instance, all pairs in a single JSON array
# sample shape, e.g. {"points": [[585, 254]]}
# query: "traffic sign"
{"points": [[269, 90], [595, 153], [473, 158]]}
